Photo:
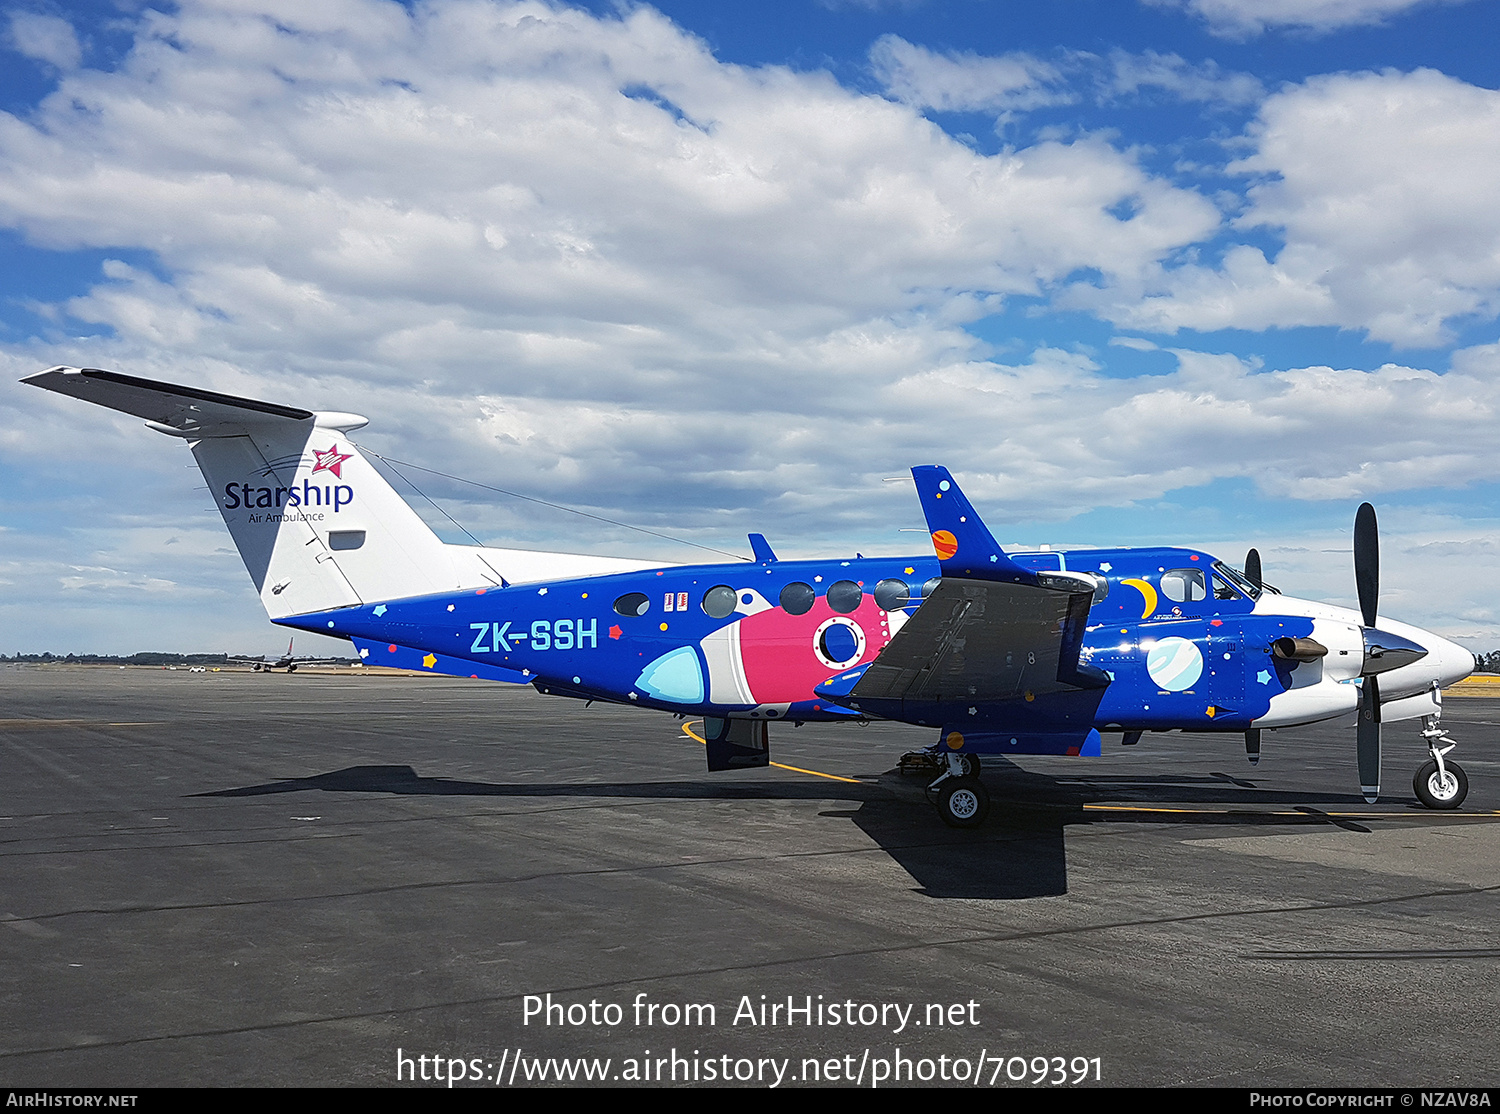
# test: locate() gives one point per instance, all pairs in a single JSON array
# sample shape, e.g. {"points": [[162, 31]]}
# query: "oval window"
{"points": [[719, 601], [844, 596], [798, 598], [930, 587], [892, 594], [632, 603]]}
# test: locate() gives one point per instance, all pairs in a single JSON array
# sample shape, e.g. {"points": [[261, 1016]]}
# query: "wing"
{"points": [[979, 641], [990, 633]]}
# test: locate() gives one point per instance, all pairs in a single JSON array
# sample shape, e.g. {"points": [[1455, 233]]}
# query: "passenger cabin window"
{"points": [[798, 598], [632, 604], [892, 594], [1184, 585], [844, 596], [719, 601]]}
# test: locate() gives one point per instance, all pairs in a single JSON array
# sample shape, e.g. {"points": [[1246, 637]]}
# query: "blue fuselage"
{"points": [[1176, 635]]}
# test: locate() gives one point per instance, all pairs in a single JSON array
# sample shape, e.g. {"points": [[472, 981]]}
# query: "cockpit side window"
{"points": [[1184, 585], [1224, 589]]}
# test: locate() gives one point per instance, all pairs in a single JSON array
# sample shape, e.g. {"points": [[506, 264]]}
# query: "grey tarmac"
{"points": [[233, 879]]}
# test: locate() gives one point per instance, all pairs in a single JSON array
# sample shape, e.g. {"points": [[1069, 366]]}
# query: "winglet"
{"points": [[965, 547], [762, 550]]}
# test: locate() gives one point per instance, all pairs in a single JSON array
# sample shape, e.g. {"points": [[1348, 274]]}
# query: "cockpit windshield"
{"points": [[1235, 579]]}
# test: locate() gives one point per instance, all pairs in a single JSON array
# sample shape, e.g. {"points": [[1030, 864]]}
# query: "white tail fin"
{"points": [[316, 525]]}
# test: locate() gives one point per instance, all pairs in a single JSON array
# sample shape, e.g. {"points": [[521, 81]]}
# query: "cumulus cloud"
{"points": [[579, 257], [1400, 242], [1247, 18], [46, 38]]}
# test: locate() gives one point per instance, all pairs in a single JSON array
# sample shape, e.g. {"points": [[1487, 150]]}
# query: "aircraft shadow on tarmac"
{"points": [[1019, 853]]}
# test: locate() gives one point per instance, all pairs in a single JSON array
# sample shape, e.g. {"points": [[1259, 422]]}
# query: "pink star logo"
{"points": [[330, 460]]}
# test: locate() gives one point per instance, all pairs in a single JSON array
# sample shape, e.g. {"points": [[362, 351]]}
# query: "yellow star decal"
{"points": [[430, 660]]}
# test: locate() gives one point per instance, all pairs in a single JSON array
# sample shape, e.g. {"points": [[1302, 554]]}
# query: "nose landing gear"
{"points": [[1439, 784]]}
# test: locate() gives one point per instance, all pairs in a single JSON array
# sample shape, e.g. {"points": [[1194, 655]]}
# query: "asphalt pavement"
{"points": [[318, 879]]}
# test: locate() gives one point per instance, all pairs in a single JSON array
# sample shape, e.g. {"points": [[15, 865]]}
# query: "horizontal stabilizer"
{"points": [[317, 525], [184, 411]]}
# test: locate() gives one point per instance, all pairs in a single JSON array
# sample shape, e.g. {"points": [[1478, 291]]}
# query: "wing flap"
{"points": [[978, 641]]}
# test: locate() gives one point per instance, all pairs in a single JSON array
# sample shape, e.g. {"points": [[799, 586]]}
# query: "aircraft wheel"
{"points": [[963, 803], [1437, 792], [970, 763], [291, 668]]}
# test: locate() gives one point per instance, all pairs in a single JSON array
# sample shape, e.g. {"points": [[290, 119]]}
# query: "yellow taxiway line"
{"points": [[690, 733]]}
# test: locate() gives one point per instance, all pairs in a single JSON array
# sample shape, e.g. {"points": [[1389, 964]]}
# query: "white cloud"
{"points": [[47, 38], [1380, 186], [508, 182], [964, 82], [1007, 84], [1247, 18], [581, 258], [1205, 81]]}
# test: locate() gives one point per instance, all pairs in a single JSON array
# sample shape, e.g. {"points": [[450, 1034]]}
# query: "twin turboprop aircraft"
{"points": [[998, 653]]}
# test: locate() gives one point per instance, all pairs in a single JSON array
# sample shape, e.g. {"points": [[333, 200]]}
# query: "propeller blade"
{"points": [[1367, 562], [1252, 567], [1368, 741]]}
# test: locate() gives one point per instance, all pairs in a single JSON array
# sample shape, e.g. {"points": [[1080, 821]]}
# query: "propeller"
{"points": [[1252, 567], [1252, 574], [1367, 583]]}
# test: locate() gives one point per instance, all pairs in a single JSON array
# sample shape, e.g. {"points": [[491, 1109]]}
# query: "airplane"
{"points": [[999, 653], [286, 661]]}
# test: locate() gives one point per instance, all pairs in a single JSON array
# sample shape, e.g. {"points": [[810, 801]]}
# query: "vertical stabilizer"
{"points": [[315, 524]]}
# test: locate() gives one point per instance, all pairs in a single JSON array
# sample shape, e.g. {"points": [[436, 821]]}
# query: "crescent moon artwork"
{"points": [[1148, 593]]}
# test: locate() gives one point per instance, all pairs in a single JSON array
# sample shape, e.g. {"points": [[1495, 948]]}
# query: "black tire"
{"points": [[970, 763], [1433, 793], [963, 802]]}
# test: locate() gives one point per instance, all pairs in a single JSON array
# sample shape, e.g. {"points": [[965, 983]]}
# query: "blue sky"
{"points": [[1207, 272]]}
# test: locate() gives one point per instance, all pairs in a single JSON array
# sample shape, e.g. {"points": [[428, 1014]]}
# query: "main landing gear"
{"points": [[961, 798], [1439, 784]]}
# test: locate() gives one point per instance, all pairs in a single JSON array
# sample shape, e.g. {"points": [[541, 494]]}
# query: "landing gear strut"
{"points": [[960, 796], [1439, 784]]}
